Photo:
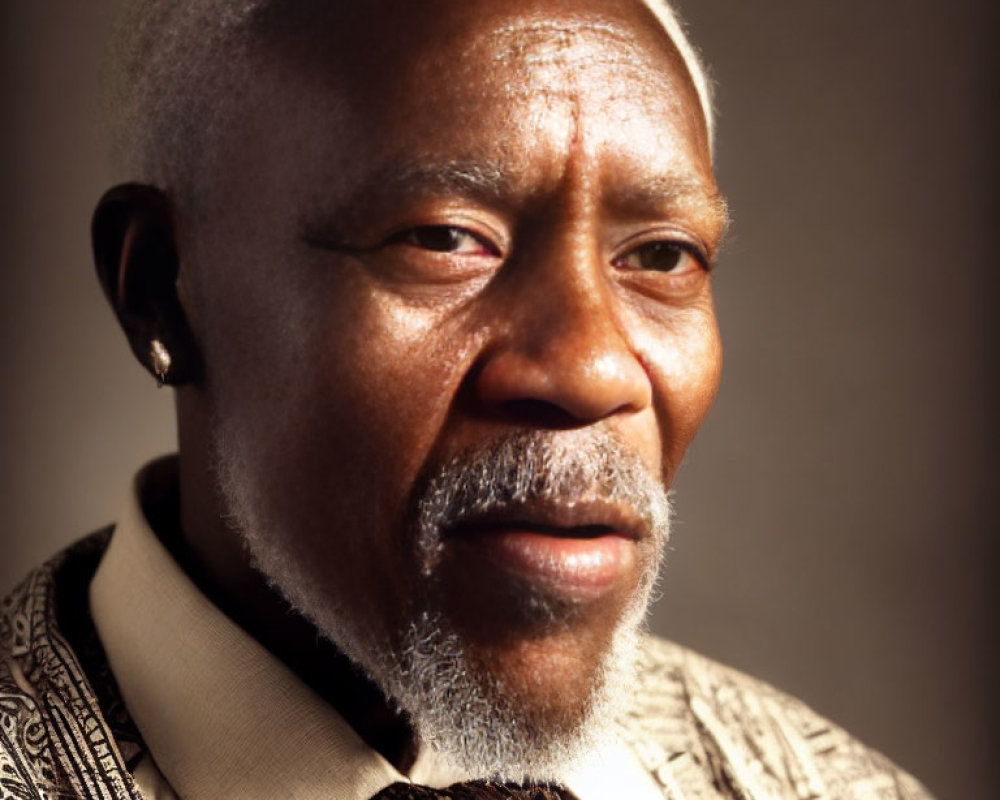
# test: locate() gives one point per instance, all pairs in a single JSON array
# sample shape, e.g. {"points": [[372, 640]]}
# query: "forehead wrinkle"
{"points": [[576, 48], [659, 51], [529, 42], [564, 59]]}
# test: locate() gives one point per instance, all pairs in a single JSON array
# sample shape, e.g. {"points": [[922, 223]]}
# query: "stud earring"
{"points": [[160, 357]]}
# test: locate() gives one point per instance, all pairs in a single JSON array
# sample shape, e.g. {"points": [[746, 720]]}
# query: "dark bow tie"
{"points": [[476, 790]]}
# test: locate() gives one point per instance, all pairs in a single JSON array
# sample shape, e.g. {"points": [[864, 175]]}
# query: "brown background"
{"points": [[835, 535]]}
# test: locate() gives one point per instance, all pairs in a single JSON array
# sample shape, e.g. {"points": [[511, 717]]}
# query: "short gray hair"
{"points": [[170, 63]]}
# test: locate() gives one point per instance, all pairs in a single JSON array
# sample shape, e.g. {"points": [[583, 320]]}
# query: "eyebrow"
{"points": [[488, 182], [673, 193], [409, 180], [397, 182]]}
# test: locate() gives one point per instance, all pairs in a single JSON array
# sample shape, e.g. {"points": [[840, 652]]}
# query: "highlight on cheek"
{"points": [[687, 353]]}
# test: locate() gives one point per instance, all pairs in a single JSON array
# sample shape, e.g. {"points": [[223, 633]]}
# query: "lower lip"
{"points": [[583, 567]]}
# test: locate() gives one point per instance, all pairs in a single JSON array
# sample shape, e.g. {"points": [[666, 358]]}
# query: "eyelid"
{"points": [[487, 242], [357, 239], [684, 240], [483, 226]]}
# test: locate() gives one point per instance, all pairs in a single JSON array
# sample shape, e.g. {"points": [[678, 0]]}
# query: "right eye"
{"points": [[446, 239]]}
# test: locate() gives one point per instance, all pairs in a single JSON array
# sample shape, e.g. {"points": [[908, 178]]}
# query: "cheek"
{"points": [[340, 397], [393, 374], [683, 355], [341, 387]]}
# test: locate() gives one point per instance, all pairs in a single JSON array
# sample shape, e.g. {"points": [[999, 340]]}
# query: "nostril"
{"points": [[535, 412]]}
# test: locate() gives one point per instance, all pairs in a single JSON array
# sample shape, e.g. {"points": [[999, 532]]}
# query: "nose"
{"points": [[562, 355]]}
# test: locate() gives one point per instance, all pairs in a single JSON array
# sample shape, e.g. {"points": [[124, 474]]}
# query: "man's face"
{"points": [[461, 239]]}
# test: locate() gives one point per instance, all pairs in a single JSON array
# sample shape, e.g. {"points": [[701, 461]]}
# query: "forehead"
{"points": [[476, 82], [420, 50]]}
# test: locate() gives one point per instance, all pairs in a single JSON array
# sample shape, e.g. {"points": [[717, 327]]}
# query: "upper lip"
{"points": [[573, 519]]}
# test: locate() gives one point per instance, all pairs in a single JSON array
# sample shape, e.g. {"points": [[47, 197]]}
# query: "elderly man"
{"points": [[432, 283]]}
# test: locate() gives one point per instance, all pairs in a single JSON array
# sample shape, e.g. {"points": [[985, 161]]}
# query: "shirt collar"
{"points": [[222, 716]]}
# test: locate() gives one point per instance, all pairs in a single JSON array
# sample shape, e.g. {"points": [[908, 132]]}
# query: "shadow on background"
{"points": [[835, 530]]}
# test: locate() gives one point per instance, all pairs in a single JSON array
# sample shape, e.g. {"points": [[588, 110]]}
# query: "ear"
{"points": [[136, 257]]}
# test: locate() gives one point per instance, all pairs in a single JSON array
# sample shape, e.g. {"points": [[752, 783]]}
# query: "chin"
{"points": [[518, 709], [530, 710], [527, 699]]}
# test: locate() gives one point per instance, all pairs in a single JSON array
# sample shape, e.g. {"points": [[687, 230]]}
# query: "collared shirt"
{"points": [[224, 718]]}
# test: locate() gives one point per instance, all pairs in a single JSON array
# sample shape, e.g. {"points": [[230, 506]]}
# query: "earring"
{"points": [[160, 357]]}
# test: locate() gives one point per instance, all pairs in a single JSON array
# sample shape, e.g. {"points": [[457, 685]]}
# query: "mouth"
{"points": [[577, 551]]}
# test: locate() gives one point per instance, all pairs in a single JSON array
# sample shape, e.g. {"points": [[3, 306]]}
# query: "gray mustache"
{"points": [[532, 467]]}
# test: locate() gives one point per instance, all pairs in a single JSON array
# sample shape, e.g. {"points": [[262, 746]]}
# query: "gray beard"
{"points": [[455, 704]]}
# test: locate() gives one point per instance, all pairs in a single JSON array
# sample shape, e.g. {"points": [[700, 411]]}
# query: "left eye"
{"points": [[658, 257], [445, 239]]}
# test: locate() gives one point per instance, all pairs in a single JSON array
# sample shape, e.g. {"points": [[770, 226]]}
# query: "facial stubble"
{"points": [[477, 719]]}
